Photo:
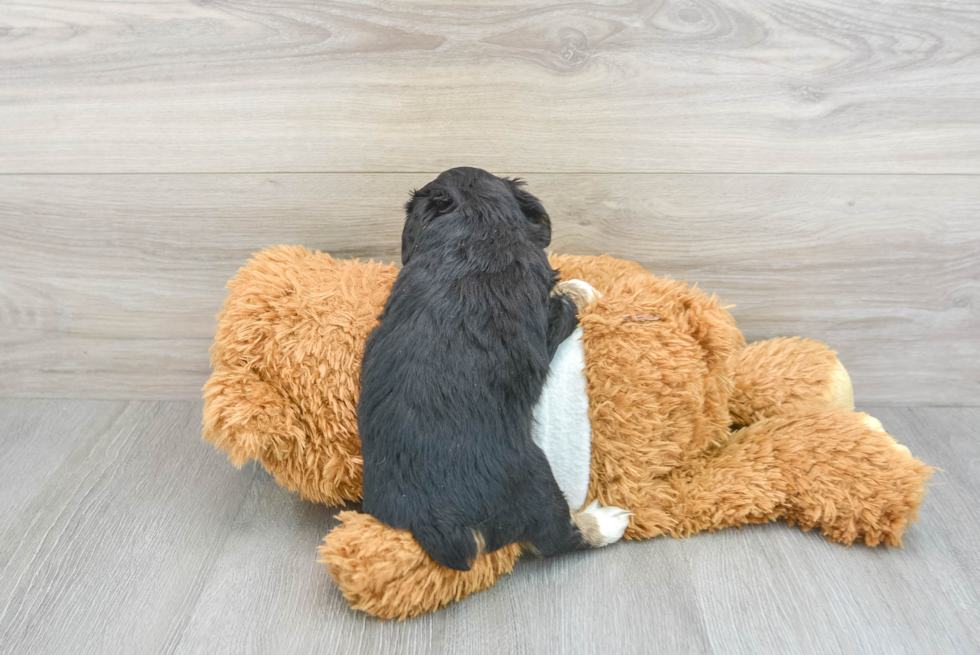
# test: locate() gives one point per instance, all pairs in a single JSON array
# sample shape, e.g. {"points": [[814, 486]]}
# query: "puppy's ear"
{"points": [[425, 206], [534, 212]]}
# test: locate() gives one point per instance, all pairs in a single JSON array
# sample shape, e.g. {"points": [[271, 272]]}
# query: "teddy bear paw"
{"points": [[582, 293], [612, 522], [875, 424]]}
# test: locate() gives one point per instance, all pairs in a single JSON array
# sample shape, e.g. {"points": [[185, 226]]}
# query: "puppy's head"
{"points": [[474, 194]]}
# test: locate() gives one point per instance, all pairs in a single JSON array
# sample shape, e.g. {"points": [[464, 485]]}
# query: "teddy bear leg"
{"points": [[384, 572], [774, 376], [824, 468], [860, 484]]}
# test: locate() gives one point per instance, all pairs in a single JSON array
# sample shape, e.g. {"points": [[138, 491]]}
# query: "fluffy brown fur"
{"points": [[384, 572], [286, 360], [773, 377], [667, 376]]}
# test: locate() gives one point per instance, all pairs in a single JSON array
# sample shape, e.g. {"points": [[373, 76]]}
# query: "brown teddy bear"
{"points": [[657, 407]]}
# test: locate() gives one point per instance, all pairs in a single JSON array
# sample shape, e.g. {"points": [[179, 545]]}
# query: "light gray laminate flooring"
{"points": [[122, 532]]}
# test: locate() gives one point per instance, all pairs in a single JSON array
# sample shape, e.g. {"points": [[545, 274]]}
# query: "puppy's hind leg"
{"points": [[453, 546], [599, 525], [560, 530]]}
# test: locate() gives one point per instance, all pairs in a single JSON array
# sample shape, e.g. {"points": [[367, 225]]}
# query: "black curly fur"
{"points": [[451, 375]]}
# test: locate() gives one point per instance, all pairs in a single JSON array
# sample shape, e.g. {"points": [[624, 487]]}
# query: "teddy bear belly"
{"points": [[562, 428]]}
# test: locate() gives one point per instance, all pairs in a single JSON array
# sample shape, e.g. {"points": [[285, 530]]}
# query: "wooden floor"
{"points": [[122, 532]]}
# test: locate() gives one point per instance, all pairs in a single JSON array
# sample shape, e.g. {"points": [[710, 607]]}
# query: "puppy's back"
{"points": [[450, 378]]}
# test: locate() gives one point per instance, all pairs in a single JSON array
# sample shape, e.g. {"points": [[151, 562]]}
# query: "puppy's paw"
{"points": [[582, 293], [601, 526]]}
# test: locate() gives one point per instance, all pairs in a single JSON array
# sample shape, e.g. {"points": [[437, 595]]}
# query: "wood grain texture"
{"points": [[130, 535], [128, 511], [763, 589], [35, 444], [268, 594], [109, 284], [647, 86]]}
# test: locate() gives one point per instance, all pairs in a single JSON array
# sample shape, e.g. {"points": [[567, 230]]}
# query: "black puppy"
{"points": [[451, 376]]}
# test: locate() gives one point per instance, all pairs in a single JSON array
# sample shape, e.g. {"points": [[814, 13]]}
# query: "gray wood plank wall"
{"points": [[648, 86], [815, 163]]}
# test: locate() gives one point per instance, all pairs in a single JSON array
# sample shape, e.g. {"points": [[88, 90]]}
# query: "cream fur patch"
{"points": [[562, 427]]}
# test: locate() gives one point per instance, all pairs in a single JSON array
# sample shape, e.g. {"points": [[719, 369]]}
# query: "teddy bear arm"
{"points": [[243, 414], [384, 571], [249, 418], [286, 358], [775, 376]]}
